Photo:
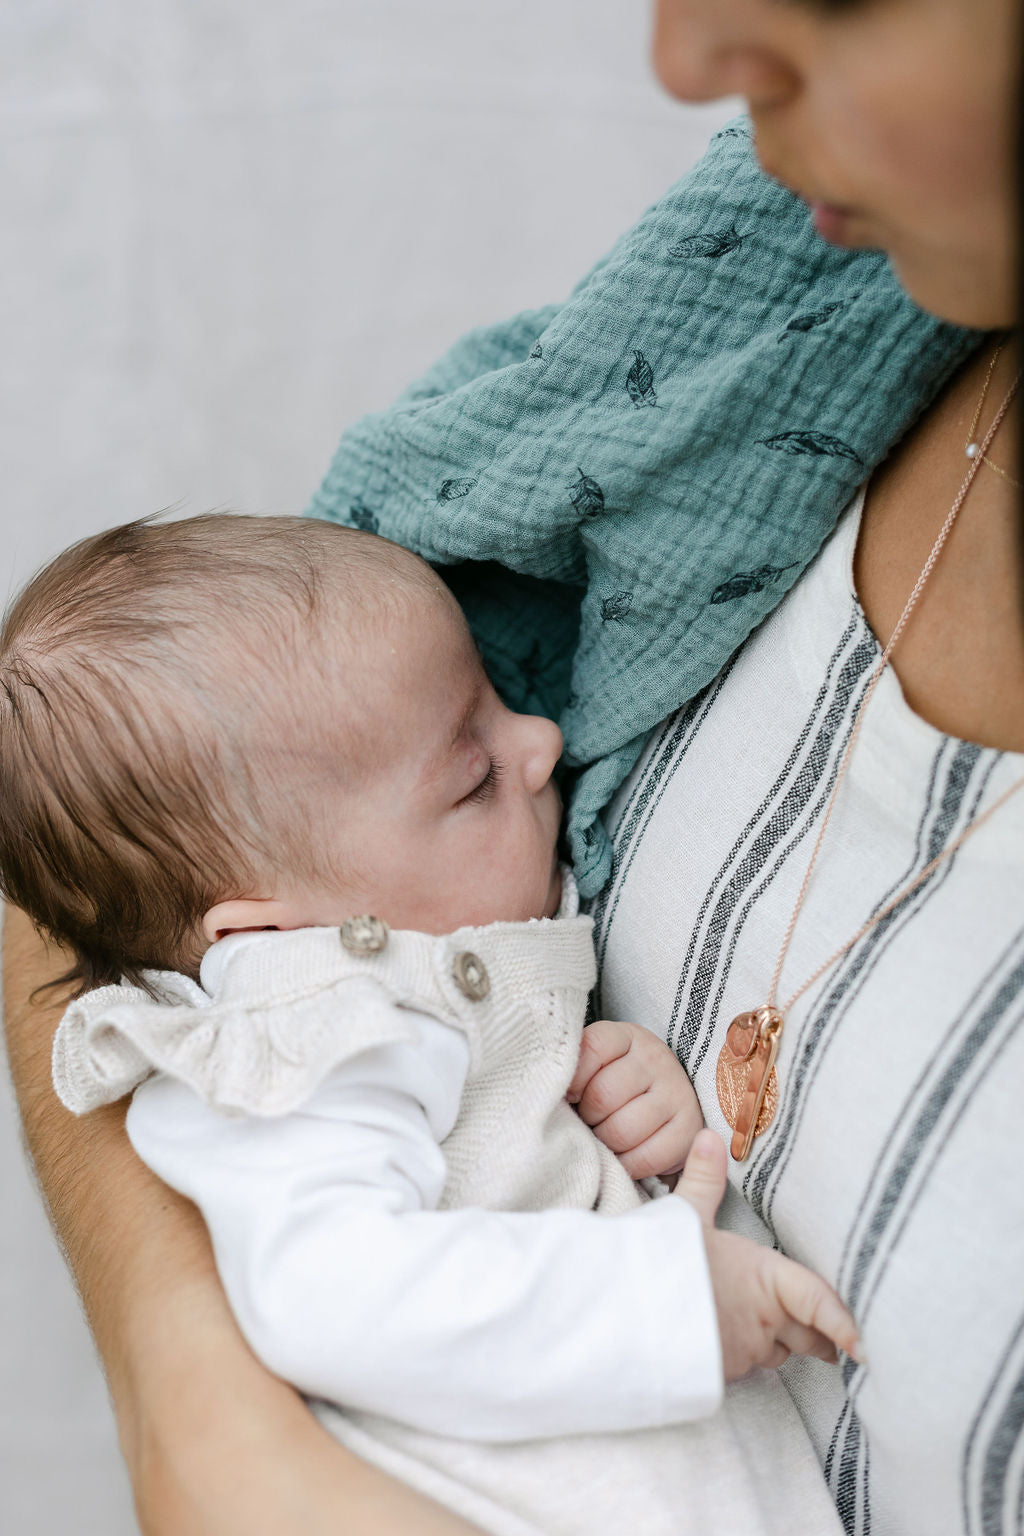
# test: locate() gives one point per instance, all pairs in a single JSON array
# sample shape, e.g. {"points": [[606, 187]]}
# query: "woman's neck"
{"points": [[961, 660]]}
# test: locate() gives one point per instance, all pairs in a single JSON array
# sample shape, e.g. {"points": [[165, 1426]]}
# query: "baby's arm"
{"points": [[487, 1325], [768, 1306], [214, 1444], [635, 1095]]}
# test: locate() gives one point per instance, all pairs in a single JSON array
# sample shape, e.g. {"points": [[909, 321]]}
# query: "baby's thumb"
{"points": [[702, 1181]]}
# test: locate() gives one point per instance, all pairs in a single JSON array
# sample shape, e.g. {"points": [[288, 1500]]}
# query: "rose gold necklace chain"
{"points": [[972, 448], [745, 1075], [883, 662]]}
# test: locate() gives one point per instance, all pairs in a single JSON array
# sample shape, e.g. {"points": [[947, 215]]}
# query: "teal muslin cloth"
{"points": [[623, 485]]}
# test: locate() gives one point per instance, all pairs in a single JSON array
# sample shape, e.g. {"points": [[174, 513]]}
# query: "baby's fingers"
{"points": [[801, 1340], [661, 1154], [603, 1041], [615, 1086], [807, 1299]]}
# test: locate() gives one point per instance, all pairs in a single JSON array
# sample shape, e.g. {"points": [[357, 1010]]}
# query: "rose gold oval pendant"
{"points": [[731, 1083], [745, 1077]]}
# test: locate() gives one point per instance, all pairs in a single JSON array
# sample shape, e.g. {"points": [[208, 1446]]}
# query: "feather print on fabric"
{"points": [[745, 582], [586, 495], [640, 382], [715, 243], [361, 517], [813, 318], [615, 608], [452, 490], [815, 443]]}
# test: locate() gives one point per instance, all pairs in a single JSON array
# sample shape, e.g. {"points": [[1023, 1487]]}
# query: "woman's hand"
{"points": [[768, 1307], [632, 1091]]}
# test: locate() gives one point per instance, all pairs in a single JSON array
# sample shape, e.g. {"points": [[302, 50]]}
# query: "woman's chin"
{"points": [[954, 291]]}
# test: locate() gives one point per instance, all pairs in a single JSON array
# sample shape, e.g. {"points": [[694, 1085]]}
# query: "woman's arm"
{"points": [[214, 1443]]}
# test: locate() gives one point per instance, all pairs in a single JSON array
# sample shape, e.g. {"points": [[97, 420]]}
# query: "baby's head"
{"points": [[232, 722]]}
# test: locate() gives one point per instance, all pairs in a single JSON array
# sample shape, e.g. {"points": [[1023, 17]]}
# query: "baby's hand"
{"points": [[630, 1088], [768, 1307]]}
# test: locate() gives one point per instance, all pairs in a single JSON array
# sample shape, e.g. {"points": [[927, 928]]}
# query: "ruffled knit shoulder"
{"points": [[277, 1012], [257, 1057]]}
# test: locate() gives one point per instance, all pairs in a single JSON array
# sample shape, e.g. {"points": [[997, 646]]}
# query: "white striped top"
{"points": [[895, 1163]]}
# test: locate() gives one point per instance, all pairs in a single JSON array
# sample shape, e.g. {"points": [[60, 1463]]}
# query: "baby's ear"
{"points": [[250, 915]]}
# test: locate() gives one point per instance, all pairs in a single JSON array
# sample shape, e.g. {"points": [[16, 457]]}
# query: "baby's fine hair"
{"points": [[138, 672]]}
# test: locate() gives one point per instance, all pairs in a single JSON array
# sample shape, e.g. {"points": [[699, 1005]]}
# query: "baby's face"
{"points": [[455, 817]]}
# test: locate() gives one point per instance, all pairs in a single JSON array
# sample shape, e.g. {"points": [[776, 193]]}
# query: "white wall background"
{"points": [[228, 228]]}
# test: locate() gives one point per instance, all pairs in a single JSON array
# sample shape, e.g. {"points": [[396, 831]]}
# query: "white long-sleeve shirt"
{"points": [[349, 1282]]}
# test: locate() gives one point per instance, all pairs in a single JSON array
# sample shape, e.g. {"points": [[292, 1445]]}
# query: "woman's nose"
{"points": [[705, 49], [683, 50], [541, 751]]}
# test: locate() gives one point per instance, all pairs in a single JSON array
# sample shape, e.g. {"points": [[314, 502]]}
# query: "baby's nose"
{"points": [[544, 748]]}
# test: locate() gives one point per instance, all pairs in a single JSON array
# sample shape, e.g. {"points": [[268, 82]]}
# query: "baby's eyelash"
{"points": [[488, 784]]}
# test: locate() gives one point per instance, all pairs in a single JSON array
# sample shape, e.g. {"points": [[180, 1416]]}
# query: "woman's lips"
{"points": [[832, 221]]}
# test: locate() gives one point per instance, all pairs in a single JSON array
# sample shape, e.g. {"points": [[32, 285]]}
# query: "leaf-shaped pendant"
{"points": [[587, 496], [640, 381], [745, 1077], [819, 443], [711, 245]]}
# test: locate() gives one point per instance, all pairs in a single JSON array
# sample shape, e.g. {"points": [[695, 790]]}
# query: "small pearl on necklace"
{"points": [[972, 450]]}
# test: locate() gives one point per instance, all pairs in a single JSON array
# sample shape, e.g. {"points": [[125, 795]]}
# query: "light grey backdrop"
{"points": [[229, 227]]}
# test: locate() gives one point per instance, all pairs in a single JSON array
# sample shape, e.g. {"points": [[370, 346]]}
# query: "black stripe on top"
{"points": [[977, 1041], [677, 735], [779, 824], [992, 1476]]}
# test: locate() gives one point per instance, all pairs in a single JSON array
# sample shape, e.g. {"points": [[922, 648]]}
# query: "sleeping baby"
{"points": [[255, 779]]}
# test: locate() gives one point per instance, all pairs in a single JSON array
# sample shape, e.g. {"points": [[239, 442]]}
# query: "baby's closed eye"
{"points": [[487, 786]]}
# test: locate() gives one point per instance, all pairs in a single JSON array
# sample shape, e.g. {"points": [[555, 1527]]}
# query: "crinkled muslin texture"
{"points": [[621, 486]]}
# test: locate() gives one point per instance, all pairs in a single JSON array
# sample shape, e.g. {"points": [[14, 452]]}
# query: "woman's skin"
{"points": [[894, 118]]}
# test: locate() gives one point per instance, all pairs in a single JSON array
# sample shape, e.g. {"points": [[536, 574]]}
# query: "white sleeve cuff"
{"points": [[681, 1312]]}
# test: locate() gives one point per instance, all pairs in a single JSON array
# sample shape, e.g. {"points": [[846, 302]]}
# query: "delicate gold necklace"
{"points": [[746, 1078], [972, 448]]}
